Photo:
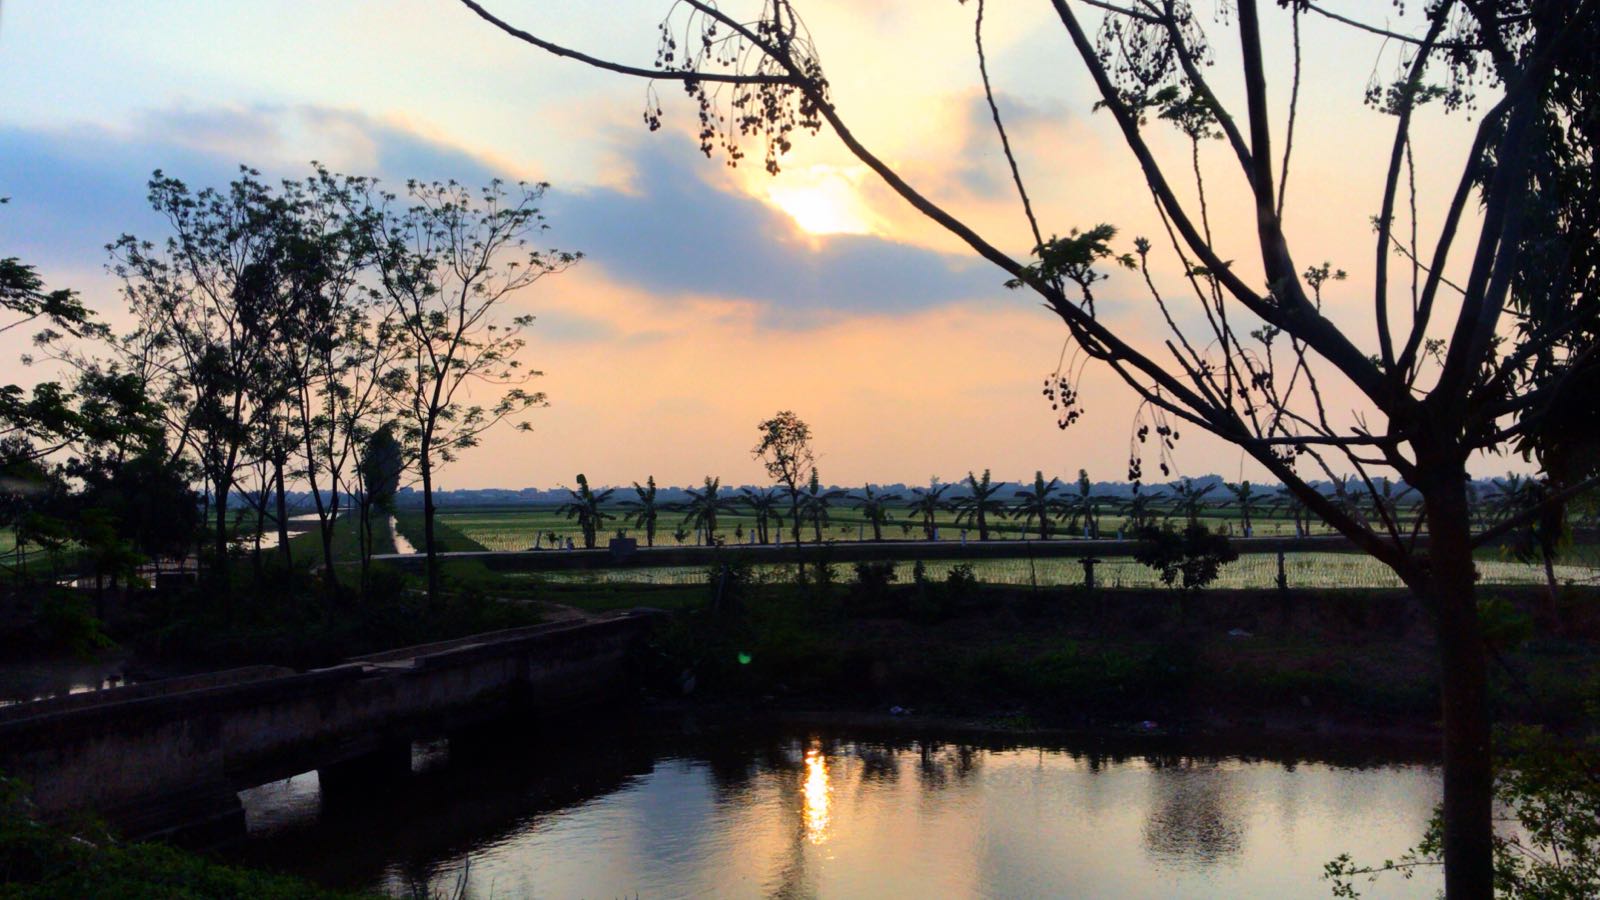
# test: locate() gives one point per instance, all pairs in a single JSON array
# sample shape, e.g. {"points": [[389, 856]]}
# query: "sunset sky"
{"points": [[710, 297]]}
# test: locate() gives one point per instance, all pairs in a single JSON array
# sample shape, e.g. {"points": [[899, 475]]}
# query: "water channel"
{"points": [[636, 810]]}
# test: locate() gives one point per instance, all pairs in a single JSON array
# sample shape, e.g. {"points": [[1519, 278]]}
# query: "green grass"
{"points": [[526, 526], [40, 861], [305, 548], [1315, 571], [447, 536]]}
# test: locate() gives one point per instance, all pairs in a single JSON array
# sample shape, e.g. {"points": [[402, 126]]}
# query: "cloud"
{"points": [[981, 166], [676, 234], [673, 232]]}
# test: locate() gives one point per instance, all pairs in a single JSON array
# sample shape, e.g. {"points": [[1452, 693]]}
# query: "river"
{"points": [[628, 811]]}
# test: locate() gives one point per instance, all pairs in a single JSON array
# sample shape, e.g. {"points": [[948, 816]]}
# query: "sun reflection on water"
{"points": [[815, 793]]}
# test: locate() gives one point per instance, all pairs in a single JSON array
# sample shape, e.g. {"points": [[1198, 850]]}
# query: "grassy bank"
{"points": [[40, 861], [298, 621], [1069, 657]]}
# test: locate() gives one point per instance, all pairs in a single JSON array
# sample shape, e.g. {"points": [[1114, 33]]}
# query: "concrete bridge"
{"points": [[167, 758]]}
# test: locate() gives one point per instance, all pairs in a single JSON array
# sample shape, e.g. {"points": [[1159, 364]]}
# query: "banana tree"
{"points": [[1083, 504], [926, 504], [584, 506], [815, 503], [643, 512], [875, 508], [1037, 503], [704, 506], [767, 506], [1248, 501], [979, 503]]}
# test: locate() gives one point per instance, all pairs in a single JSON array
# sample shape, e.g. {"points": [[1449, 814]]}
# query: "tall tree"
{"points": [[979, 504], [208, 302], [1432, 392], [785, 451], [448, 263]]}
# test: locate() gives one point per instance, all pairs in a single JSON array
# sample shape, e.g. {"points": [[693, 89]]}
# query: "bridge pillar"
{"points": [[371, 771]]}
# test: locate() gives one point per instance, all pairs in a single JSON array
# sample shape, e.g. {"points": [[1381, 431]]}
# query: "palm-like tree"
{"points": [[1288, 501], [979, 504], [1083, 504], [927, 504], [1248, 500], [1141, 512], [875, 507], [1386, 503], [1038, 502], [643, 512], [704, 506], [1539, 539], [1188, 501], [767, 507], [584, 506], [815, 502]]}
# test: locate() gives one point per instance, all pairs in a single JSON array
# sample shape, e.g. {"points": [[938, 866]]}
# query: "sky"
{"points": [[710, 297]]}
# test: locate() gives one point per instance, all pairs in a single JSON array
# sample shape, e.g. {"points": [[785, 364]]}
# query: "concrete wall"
{"points": [[155, 759]]}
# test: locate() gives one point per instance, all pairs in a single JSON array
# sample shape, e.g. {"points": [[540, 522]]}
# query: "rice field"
{"points": [[532, 527], [1252, 571]]}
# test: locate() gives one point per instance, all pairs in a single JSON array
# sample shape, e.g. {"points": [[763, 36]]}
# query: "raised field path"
{"points": [[840, 552]]}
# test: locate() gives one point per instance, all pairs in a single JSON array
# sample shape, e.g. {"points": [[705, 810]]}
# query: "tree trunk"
{"points": [[425, 467], [283, 517], [1552, 612], [1468, 764], [220, 539]]}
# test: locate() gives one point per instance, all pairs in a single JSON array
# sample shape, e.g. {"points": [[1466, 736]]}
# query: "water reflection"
{"points": [[1194, 819], [815, 794], [735, 814]]}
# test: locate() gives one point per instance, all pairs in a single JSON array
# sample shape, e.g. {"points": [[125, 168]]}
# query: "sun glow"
{"points": [[822, 200], [816, 792]]}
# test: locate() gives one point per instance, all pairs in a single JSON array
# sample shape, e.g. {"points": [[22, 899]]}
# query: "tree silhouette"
{"points": [[704, 506], [979, 503], [1083, 504], [815, 503], [447, 263], [876, 508], [1037, 503], [644, 512], [1187, 501], [785, 451], [764, 503], [927, 503], [1248, 501], [209, 303], [584, 506]]}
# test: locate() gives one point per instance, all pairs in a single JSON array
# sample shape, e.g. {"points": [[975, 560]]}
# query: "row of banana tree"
{"points": [[979, 505]]}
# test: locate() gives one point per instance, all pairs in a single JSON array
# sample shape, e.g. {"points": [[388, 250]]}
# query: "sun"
{"points": [[822, 200]]}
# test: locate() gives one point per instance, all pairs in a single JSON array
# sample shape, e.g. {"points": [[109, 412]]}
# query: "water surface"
{"points": [[797, 813]]}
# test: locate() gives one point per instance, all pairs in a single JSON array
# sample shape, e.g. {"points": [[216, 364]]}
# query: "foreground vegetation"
{"points": [[44, 861]]}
